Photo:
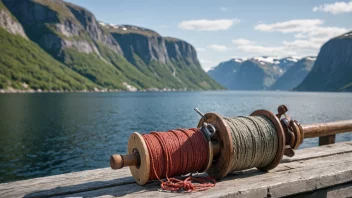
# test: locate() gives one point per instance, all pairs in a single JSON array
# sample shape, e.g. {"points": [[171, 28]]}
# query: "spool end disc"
{"points": [[140, 172], [221, 166]]}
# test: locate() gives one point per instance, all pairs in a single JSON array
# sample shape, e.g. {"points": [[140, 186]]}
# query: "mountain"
{"points": [[24, 65], [107, 59], [332, 70], [225, 72], [257, 73], [294, 75], [170, 61]]}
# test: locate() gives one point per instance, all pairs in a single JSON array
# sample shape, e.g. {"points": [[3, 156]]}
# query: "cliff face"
{"points": [[294, 75], [115, 58], [332, 70], [150, 46], [54, 26], [181, 50], [9, 22], [93, 29], [147, 44], [169, 61]]}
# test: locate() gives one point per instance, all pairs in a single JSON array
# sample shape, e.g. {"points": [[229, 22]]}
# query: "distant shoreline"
{"points": [[152, 90], [13, 91]]}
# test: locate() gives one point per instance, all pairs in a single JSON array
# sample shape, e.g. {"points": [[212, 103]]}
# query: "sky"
{"points": [[225, 29]]}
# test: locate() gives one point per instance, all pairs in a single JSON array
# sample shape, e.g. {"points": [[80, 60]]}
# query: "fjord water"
{"points": [[52, 133]]}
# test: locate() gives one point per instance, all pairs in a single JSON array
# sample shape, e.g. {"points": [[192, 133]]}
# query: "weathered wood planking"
{"points": [[290, 178], [310, 169], [342, 190]]}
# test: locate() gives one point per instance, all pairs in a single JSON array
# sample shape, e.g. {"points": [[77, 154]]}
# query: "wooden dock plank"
{"points": [[108, 182], [67, 183], [342, 190], [290, 178]]}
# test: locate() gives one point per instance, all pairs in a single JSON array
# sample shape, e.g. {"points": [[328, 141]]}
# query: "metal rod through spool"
{"points": [[118, 161]]}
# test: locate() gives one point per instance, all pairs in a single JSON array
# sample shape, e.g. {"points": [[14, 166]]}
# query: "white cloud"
{"points": [[309, 35], [327, 32], [219, 48], [314, 39], [303, 28], [290, 26], [242, 41], [208, 25], [335, 8], [224, 9]]}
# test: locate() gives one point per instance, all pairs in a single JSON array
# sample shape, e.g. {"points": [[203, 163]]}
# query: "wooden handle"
{"points": [[120, 161]]}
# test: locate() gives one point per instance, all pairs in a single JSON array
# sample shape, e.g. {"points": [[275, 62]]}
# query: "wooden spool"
{"points": [[138, 159], [221, 165]]}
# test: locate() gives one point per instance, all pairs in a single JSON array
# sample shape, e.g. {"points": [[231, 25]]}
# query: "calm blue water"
{"points": [[46, 134]]}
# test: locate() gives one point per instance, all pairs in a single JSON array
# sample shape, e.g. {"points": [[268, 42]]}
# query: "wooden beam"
{"points": [[327, 128]]}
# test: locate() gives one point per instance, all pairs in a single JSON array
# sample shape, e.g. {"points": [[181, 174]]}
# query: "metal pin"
{"points": [[200, 113]]}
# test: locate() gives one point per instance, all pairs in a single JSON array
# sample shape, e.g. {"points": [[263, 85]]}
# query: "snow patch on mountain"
{"points": [[293, 58], [311, 58], [239, 60], [267, 59]]}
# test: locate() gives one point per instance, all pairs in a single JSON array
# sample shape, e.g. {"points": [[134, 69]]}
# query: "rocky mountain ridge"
{"points": [[257, 73], [104, 54]]}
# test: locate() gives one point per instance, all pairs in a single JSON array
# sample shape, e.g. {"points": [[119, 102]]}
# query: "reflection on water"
{"points": [[47, 134]]}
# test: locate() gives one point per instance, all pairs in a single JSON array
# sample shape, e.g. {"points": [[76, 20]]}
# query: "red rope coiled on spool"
{"points": [[178, 152]]}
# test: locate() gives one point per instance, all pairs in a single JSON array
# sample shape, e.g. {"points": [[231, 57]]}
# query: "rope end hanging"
{"points": [[189, 184]]}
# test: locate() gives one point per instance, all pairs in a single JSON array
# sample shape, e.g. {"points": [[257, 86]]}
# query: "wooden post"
{"points": [[324, 140]]}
